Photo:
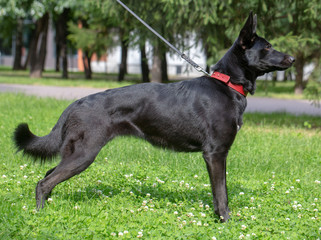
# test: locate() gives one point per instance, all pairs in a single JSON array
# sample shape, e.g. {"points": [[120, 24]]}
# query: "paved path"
{"points": [[255, 104]]}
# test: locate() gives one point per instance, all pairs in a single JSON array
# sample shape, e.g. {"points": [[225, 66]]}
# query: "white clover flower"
{"points": [[195, 176], [315, 199], [243, 227], [49, 200], [120, 234], [190, 215], [199, 223], [253, 217], [315, 210], [297, 180], [99, 181], [241, 193], [76, 207], [288, 219], [241, 236], [205, 224], [287, 192], [24, 208], [184, 222], [148, 195], [207, 207], [317, 181], [175, 212], [113, 234], [99, 192], [158, 180], [214, 238], [203, 215], [125, 232], [4, 176]]}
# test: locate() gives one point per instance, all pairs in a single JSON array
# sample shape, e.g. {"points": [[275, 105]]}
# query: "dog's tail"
{"points": [[43, 148]]}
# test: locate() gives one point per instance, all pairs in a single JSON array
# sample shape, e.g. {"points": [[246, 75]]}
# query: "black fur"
{"points": [[201, 114]]}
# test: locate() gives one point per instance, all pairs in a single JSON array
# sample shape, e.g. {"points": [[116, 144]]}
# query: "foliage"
{"points": [[292, 26], [135, 190]]}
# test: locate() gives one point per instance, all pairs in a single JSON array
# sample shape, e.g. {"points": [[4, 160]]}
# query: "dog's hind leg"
{"points": [[216, 166], [48, 173], [77, 154]]}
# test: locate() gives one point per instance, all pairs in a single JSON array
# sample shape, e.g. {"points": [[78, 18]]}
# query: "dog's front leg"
{"points": [[216, 167]]}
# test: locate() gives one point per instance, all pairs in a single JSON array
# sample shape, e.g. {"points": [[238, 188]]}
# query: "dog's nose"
{"points": [[291, 59]]}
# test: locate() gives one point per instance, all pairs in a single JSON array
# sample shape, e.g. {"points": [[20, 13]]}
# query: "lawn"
{"points": [[134, 190]]}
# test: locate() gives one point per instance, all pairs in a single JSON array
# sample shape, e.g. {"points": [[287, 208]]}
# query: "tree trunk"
{"points": [[156, 71], [38, 47], [164, 67], [87, 64], [57, 52], [299, 67], [27, 60], [61, 42], [144, 63], [19, 44], [123, 63]]}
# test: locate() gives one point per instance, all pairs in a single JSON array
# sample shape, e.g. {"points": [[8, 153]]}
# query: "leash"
{"points": [[183, 56]]}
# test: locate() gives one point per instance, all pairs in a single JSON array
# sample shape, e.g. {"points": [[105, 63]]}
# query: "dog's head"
{"points": [[258, 52]]}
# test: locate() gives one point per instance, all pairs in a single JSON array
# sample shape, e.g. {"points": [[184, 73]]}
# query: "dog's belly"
{"points": [[177, 143]]}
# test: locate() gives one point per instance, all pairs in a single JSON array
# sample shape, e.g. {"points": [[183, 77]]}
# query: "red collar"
{"points": [[226, 79]]}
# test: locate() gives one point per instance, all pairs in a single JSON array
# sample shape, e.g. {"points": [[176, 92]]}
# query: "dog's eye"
{"points": [[268, 46]]}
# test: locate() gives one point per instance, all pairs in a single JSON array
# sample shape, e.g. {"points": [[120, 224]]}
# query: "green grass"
{"points": [[76, 79], [135, 190]]}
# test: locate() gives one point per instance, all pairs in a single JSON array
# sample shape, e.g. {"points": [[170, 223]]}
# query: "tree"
{"points": [[38, 47], [61, 41]]}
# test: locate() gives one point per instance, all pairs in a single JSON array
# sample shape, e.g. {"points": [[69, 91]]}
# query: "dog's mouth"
{"points": [[287, 61]]}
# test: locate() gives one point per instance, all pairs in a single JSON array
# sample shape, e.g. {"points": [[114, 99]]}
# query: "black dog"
{"points": [[202, 114]]}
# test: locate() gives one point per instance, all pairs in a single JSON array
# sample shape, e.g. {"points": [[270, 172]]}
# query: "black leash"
{"points": [[184, 56]]}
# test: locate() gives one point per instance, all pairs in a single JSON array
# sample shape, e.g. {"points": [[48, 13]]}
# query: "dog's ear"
{"points": [[248, 32]]}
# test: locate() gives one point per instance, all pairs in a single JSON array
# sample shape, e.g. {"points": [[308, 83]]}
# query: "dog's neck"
{"points": [[237, 68]]}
